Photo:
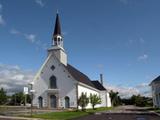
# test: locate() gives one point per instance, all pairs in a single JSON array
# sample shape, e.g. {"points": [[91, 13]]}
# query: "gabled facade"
{"points": [[155, 86], [58, 84]]}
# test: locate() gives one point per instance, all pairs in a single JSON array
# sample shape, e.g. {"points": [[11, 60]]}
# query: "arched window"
{"points": [[53, 83]]}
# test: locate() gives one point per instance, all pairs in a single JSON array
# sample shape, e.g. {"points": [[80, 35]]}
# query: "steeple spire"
{"points": [[57, 29], [57, 36]]}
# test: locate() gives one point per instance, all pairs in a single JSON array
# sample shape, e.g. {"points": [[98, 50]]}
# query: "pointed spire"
{"points": [[57, 29]]}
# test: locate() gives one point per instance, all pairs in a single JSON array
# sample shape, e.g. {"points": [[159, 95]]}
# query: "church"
{"points": [[58, 85]]}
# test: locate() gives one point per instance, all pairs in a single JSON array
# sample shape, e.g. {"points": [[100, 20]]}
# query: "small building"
{"points": [[155, 86], [58, 84]]}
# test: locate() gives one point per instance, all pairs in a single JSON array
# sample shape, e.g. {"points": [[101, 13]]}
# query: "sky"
{"points": [[118, 38]]}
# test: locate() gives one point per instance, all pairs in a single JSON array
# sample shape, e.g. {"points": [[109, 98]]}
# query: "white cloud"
{"points": [[136, 42], [126, 92], [143, 57], [2, 21], [141, 40], [18, 77], [13, 78], [142, 85], [14, 31], [30, 37], [40, 2]]}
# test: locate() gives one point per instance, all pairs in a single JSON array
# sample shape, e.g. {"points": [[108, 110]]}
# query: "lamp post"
{"points": [[31, 91]]}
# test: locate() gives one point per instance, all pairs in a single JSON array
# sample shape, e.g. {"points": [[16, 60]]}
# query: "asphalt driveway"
{"points": [[123, 113]]}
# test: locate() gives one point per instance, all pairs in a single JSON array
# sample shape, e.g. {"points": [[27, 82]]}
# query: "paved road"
{"points": [[120, 116], [123, 113], [120, 113]]}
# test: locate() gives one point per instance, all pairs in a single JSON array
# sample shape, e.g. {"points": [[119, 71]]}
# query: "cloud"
{"points": [[143, 57], [14, 31], [126, 92], [142, 85], [141, 40], [40, 3], [13, 78], [2, 21], [30, 37]]}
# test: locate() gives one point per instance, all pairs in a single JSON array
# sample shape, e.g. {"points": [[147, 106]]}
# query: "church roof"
{"points": [[156, 80], [98, 85], [57, 29], [81, 77]]}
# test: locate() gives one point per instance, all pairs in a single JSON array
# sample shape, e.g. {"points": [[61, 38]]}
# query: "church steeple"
{"points": [[57, 36], [57, 43], [57, 29]]}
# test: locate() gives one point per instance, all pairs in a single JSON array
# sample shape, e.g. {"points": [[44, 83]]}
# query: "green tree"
{"points": [[138, 100], [115, 99], [19, 98], [83, 101], [3, 96], [94, 100]]}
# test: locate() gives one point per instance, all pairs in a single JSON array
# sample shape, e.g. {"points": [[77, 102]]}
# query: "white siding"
{"points": [[156, 94], [88, 91], [65, 83]]}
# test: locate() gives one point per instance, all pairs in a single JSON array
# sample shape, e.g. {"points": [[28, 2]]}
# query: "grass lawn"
{"points": [[67, 115]]}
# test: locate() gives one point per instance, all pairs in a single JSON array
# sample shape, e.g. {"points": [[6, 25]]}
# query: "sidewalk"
{"points": [[18, 118]]}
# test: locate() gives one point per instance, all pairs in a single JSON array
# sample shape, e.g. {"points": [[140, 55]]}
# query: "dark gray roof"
{"points": [[79, 76], [156, 80], [98, 85], [57, 29]]}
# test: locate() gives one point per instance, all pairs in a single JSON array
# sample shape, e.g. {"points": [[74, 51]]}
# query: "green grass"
{"points": [[67, 115], [98, 109], [61, 115]]}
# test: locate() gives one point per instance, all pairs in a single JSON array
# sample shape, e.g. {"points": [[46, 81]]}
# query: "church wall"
{"points": [[106, 101], [156, 94], [63, 57], [88, 91], [65, 84]]}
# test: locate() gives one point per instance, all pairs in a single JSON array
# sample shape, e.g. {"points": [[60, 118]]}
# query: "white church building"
{"points": [[155, 86], [58, 84]]}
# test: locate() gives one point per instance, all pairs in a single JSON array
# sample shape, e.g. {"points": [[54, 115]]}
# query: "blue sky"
{"points": [[119, 38]]}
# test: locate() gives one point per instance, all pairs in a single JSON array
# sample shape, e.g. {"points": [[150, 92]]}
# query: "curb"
{"points": [[156, 113]]}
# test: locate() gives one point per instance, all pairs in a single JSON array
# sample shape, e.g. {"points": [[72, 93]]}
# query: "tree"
{"points": [[3, 96], [138, 100], [19, 98], [83, 101], [94, 100], [115, 99]]}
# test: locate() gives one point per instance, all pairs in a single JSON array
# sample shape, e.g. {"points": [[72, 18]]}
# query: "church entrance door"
{"points": [[53, 101], [40, 100], [67, 102]]}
